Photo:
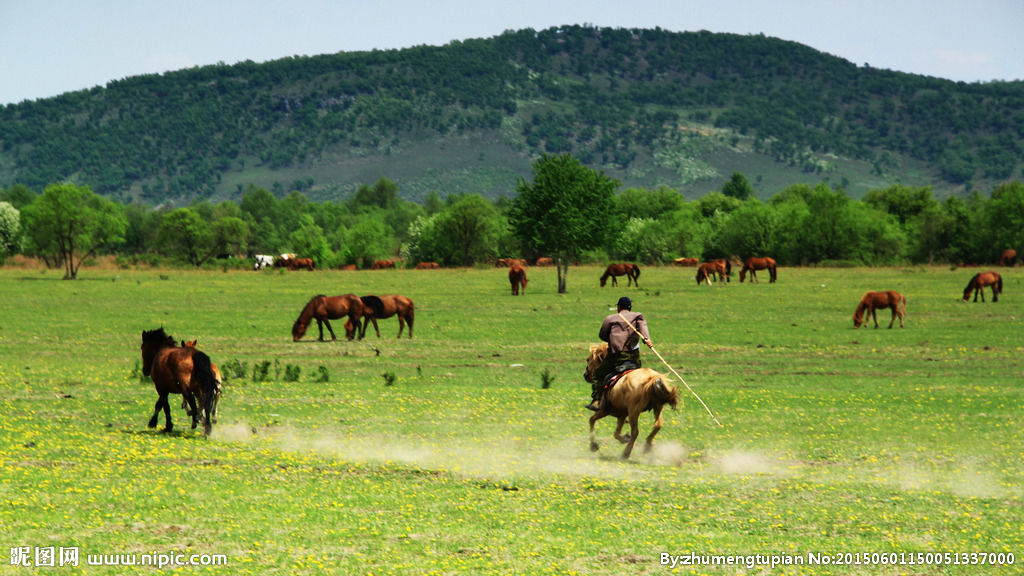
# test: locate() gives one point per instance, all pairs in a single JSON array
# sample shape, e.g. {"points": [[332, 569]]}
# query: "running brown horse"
{"points": [[636, 392], [386, 306], [517, 277], [1009, 257], [873, 301], [216, 376], [177, 370], [630, 271], [324, 309], [752, 265], [978, 283]]}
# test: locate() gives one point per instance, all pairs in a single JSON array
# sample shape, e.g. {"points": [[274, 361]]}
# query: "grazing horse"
{"points": [[382, 264], [263, 261], [717, 268], [872, 301], [978, 283], [686, 261], [177, 370], [517, 277], [635, 392], [427, 266], [216, 376], [327, 308], [1009, 257], [630, 271], [754, 264], [301, 263], [386, 306]]}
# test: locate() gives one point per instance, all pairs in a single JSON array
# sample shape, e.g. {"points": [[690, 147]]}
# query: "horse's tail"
{"points": [[412, 309], [999, 283], [202, 373], [374, 304], [664, 393], [636, 272]]}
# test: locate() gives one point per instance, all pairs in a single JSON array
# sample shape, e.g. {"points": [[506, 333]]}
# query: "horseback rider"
{"points": [[623, 346]]}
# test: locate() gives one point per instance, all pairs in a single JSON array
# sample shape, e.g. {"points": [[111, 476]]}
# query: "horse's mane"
{"points": [[158, 336], [374, 303]]}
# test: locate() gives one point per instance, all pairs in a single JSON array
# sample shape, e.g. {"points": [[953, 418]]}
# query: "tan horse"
{"points": [[978, 283], [713, 268], [517, 277], [301, 264], [386, 306], [752, 265], [324, 309], [635, 392], [1009, 257], [873, 301]]}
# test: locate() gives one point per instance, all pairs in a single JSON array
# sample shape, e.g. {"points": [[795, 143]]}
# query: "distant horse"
{"points": [[324, 309], [613, 271], [427, 266], [216, 376], [1009, 257], [545, 261], [873, 301], [517, 277], [978, 283], [713, 268], [635, 392], [686, 261], [284, 260], [263, 261], [754, 264], [386, 306], [382, 264], [301, 263], [176, 370]]}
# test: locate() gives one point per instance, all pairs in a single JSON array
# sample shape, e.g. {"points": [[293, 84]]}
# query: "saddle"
{"points": [[620, 371]]}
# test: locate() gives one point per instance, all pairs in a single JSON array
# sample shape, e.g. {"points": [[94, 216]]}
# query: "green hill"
{"points": [[649, 107]]}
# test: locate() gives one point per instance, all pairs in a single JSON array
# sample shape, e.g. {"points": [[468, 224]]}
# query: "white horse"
{"points": [[263, 261]]}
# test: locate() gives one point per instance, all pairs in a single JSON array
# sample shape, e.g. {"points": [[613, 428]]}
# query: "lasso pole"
{"points": [[651, 346]]}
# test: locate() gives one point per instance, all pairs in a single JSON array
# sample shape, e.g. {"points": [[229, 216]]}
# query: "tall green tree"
{"points": [[738, 187], [566, 209], [73, 223], [467, 231], [183, 233], [10, 229]]}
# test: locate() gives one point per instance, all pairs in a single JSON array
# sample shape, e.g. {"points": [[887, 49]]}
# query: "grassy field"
{"points": [[444, 454]]}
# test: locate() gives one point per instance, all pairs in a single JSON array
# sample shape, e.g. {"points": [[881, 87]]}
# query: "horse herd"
{"points": [[189, 372]]}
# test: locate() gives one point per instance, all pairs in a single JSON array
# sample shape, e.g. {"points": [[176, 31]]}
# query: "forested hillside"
{"points": [[649, 107]]}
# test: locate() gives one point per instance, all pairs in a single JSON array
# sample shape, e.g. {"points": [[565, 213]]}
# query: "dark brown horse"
{"points": [[752, 265], [177, 370], [873, 301], [978, 283], [324, 309], [382, 264], [517, 277], [1009, 257], [636, 392], [717, 269], [630, 271], [216, 377], [301, 264], [386, 306]]}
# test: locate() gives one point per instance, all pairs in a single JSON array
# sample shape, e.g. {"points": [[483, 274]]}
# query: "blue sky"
{"points": [[48, 47]]}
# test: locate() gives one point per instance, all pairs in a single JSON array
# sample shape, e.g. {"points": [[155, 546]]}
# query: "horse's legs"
{"points": [[375, 328], [167, 412], [194, 411], [320, 325], [654, 431], [618, 431], [329, 329], [597, 416], [995, 293], [156, 410], [634, 431]]}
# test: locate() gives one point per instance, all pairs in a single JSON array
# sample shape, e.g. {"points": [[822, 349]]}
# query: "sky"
{"points": [[48, 47]]}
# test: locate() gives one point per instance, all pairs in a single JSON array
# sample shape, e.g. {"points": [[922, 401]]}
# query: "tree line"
{"points": [[567, 211]]}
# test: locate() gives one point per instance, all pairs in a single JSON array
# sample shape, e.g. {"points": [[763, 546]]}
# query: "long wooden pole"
{"points": [[651, 346]]}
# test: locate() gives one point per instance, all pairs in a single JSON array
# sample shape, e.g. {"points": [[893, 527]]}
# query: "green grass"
{"points": [[834, 440]]}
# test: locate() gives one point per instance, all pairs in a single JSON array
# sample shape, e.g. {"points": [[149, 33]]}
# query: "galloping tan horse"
{"points": [[177, 370], [873, 301], [635, 392]]}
